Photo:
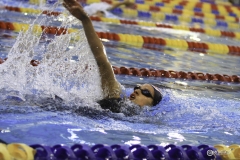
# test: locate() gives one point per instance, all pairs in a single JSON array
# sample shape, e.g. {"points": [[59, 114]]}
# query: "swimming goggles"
{"points": [[145, 92]]}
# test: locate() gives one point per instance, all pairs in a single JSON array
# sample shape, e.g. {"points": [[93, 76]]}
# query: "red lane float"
{"points": [[2, 60], [175, 74], [164, 73]]}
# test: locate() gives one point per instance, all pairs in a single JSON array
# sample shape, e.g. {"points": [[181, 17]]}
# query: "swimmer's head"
{"points": [[99, 14], [146, 95]]}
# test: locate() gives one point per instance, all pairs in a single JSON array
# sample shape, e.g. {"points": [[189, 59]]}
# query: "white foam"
{"points": [[57, 73]]}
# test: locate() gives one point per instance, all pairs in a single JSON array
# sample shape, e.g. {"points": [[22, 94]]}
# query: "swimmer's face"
{"points": [[99, 14], [139, 98]]}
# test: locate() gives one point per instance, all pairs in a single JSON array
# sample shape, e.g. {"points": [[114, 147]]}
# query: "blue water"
{"points": [[192, 112]]}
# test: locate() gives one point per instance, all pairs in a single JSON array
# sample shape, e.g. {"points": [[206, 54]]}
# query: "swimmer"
{"points": [[103, 9], [143, 95]]}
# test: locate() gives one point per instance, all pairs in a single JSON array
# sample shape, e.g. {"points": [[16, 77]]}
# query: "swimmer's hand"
{"points": [[75, 9]]}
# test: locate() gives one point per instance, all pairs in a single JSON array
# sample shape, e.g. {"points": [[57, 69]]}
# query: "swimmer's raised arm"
{"points": [[110, 85]]}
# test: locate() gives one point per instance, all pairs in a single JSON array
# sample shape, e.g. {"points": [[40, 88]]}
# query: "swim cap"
{"points": [[157, 96]]}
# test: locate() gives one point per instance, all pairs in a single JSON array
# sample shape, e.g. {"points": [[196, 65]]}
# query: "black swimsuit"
{"points": [[119, 105], [113, 104]]}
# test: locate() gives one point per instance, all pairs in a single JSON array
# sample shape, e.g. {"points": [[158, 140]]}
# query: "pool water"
{"points": [[192, 112]]}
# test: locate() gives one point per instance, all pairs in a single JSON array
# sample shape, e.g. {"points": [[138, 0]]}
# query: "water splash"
{"points": [[77, 82], [74, 81]]}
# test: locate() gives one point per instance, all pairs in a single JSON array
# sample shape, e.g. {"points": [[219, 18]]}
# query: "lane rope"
{"points": [[207, 31], [135, 40], [119, 151], [210, 12], [144, 72]]}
